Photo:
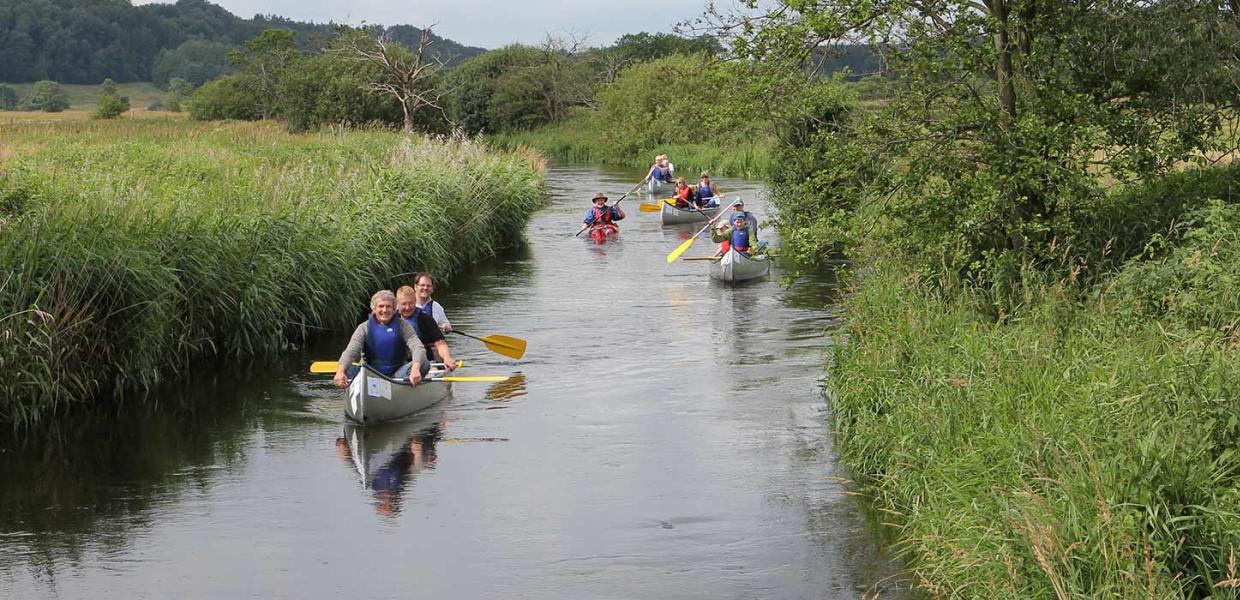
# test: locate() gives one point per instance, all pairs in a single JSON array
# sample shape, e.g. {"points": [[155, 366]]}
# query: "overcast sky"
{"points": [[488, 23]]}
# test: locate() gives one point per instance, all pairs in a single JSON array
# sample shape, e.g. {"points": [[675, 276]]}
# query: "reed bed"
{"points": [[1067, 450], [133, 249]]}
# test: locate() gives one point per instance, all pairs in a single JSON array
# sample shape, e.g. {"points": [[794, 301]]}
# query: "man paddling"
{"points": [[601, 214], [385, 341], [424, 325], [423, 287]]}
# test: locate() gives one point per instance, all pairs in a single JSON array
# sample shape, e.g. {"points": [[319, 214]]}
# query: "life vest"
{"points": [[601, 216], [740, 239], [385, 348], [706, 190], [684, 194]]}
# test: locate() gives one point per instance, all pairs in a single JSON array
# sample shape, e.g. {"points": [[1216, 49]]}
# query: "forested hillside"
{"points": [[87, 41]]}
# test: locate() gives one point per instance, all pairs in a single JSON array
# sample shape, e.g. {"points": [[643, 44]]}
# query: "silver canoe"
{"points": [[659, 188], [670, 215], [735, 267], [388, 456], [374, 397]]}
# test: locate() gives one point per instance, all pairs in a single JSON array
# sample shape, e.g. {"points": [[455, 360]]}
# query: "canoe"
{"points": [[600, 233], [659, 188], [374, 397], [670, 215], [735, 267]]}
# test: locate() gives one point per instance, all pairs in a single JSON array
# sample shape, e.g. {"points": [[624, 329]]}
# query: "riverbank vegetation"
{"points": [[133, 248], [1036, 379]]}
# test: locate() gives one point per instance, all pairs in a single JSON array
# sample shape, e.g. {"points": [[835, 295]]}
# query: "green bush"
{"points": [[110, 103], [232, 97], [47, 96]]}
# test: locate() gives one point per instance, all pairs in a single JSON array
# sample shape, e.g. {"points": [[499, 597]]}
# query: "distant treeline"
{"points": [[87, 41]]}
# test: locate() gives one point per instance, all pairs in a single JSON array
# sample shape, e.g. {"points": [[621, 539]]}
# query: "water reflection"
{"points": [[508, 390], [388, 456]]}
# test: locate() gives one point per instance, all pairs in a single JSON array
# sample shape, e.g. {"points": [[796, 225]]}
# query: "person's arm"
{"points": [[589, 220], [417, 352], [441, 348], [617, 213], [441, 318], [352, 352]]}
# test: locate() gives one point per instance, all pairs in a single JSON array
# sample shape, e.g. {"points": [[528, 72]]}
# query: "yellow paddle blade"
{"points": [[649, 207], [454, 379], [323, 366], [511, 347], [671, 258]]}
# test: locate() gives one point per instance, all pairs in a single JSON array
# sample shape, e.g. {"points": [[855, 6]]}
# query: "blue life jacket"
{"points": [[740, 239], [705, 191], [413, 321], [385, 348]]}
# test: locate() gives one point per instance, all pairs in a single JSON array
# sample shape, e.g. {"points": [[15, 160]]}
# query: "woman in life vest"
{"points": [[707, 192], [683, 194], [386, 342], [601, 214]]}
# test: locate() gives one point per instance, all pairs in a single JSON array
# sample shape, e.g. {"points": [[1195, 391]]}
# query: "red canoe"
{"points": [[600, 233]]}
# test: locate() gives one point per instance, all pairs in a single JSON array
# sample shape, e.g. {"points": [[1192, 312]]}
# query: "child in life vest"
{"points": [[737, 234]]}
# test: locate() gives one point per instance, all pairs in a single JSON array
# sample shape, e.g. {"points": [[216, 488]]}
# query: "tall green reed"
{"points": [[136, 248]]}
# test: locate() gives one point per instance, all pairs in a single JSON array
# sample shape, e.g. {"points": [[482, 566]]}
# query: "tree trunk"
{"points": [[408, 117], [1003, 63]]}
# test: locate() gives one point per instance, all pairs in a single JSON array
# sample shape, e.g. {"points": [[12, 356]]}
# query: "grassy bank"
{"points": [[131, 248], [1080, 446], [577, 141]]}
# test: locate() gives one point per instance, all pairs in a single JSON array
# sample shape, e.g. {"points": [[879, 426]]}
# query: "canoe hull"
{"points": [[656, 188], [670, 215], [735, 267], [375, 398], [600, 233]]}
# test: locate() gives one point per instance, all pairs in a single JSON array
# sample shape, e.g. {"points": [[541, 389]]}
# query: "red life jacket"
{"points": [[684, 194], [602, 217]]}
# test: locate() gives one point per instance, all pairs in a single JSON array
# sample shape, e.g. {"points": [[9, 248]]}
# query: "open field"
{"points": [[83, 97], [131, 246]]}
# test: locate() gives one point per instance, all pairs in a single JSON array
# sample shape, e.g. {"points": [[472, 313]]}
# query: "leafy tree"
{"points": [[196, 61], [645, 47], [1011, 115], [179, 91], [47, 96], [263, 61], [110, 103], [8, 97], [231, 97], [331, 89]]}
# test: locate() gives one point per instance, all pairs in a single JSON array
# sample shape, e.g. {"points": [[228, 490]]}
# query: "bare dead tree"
{"points": [[406, 72]]}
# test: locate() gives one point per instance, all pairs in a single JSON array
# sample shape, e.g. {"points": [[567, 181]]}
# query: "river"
{"points": [[665, 436]]}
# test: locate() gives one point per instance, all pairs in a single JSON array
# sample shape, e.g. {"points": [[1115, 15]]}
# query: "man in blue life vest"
{"points": [[386, 342], [600, 213]]}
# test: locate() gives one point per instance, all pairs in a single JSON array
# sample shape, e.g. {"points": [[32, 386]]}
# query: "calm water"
{"points": [[664, 437]]}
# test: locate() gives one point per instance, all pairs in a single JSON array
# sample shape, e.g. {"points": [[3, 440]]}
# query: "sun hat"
{"points": [[599, 196]]}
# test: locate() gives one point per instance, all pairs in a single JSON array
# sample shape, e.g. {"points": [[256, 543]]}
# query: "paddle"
{"points": [[626, 195], [671, 258], [511, 347], [329, 366], [647, 207]]}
